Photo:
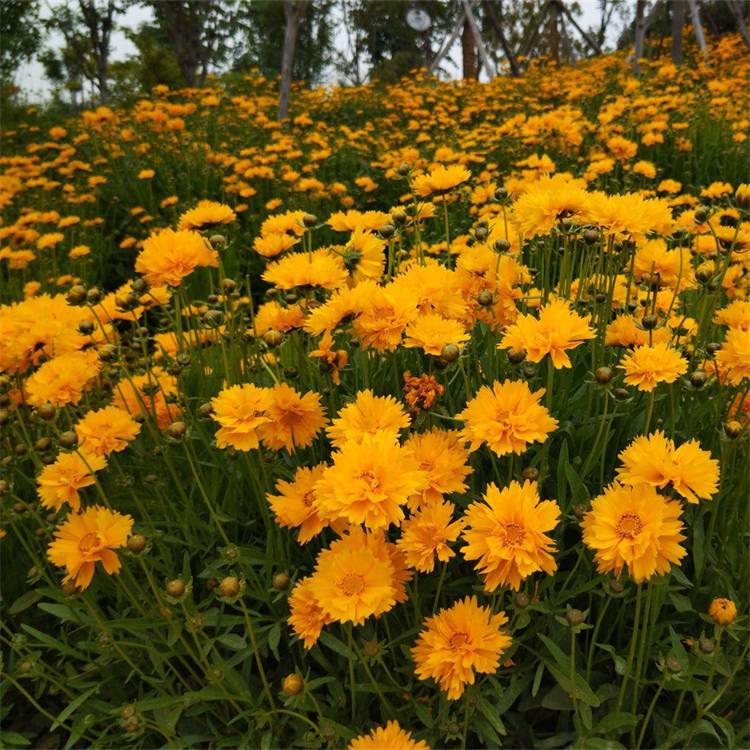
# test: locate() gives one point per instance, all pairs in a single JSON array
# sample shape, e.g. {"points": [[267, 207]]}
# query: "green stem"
{"points": [[631, 653]]}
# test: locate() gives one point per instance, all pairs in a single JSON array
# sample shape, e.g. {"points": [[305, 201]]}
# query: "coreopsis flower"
{"points": [[87, 538], [331, 360], [506, 416], [352, 581], [168, 257], [546, 202], [307, 618], [369, 482], [205, 215], [106, 431], [294, 506], [734, 355], [368, 414], [440, 180], [151, 394], [350, 220], [420, 393], [383, 317], [722, 611], [63, 380], [60, 482], [735, 315], [427, 534], [271, 245], [655, 460], [390, 737], [364, 255], [293, 420], [506, 534], [458, 643], [431, 332], [636, 528], [241, 411], [647, 366], [554, 332], [321, 268], [443, 457], [289, 222]]}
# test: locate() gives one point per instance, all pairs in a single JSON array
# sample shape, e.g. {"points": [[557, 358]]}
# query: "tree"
{"points": [[293, 11], [264, 24], [20, 34], [98, 20], [199, 31]]}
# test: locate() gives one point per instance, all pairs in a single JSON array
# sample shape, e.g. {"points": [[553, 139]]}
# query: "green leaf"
{"points": [[233, 641], [274, 637], [492, 715], [698, 544], [678, 649], [582, 689], [680, 602], [71, 707], [25, 601], [13, 739], [50, 642], [577, 487], [537, 679], [61, 612], [332, 642], [617, 720], [559, 656], [562, 484]]}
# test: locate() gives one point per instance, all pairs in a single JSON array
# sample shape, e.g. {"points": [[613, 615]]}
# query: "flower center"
{"points": [[458, 641], [352, 584], [513, 534], [372, 482], [89, 543], [629, 525], [307, 498]]}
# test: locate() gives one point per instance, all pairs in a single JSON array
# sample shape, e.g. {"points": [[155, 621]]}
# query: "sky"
{"points": [[31, 79]]}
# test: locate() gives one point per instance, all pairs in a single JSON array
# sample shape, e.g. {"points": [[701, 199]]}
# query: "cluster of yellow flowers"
{"points": [[526, 301]]}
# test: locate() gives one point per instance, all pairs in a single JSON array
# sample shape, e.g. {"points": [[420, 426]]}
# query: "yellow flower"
{"points": [[353, 581], [634, 527], [322, 268], [63, 379], [368, 414], [240, 410], [369, 482], [426, 534], [734, 355], [506, 534], [647, 366], [431, 332], [206, 214], [506, 416], [389, 737], [440, 180], [294, 506], [556, 330], [655, 460], [60, 482], [459, 642], [546, 202], [383, 317], [442, 456], [87, 538], [106, 431], [292, 420], [168, 257], [307, 618], [722, 611], [149, 394], [364, 256]]}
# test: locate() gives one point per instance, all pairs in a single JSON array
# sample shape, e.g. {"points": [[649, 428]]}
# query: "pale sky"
{"points": [[32, 81]]}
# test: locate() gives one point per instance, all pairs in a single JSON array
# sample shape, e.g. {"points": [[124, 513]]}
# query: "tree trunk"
{"points": [[640, 36], [678, 21], [736, 9], [468, 53], [554, 31], [496, 21], [99, 23], [293, 10]]}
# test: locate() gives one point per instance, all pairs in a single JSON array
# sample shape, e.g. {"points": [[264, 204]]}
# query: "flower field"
{"points": [[418, 420]]}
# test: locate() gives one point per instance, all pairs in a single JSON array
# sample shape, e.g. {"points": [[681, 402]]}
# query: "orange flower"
{"points": [[60, 482], [87, 538], [647, 366], [106, 431], [368, 414], [63, 379], [292, 420], [168, 257], [426, 534], [390, 737], [294, 506], [307, 618], [457, 643], [507, 417]]}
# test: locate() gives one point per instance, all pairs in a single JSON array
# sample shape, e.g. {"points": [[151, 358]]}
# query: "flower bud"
{"points": [[136, 543], [531, 473], [450, 353], [603, 375], [177, 430], [68, 439], [673, 664], [292, 684], [176, 588], [230, 587], [732, 429], [706, 645], [310, 220], [273, 338], [484, 298], [574, 617], [281, 581], [521, 600]]}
